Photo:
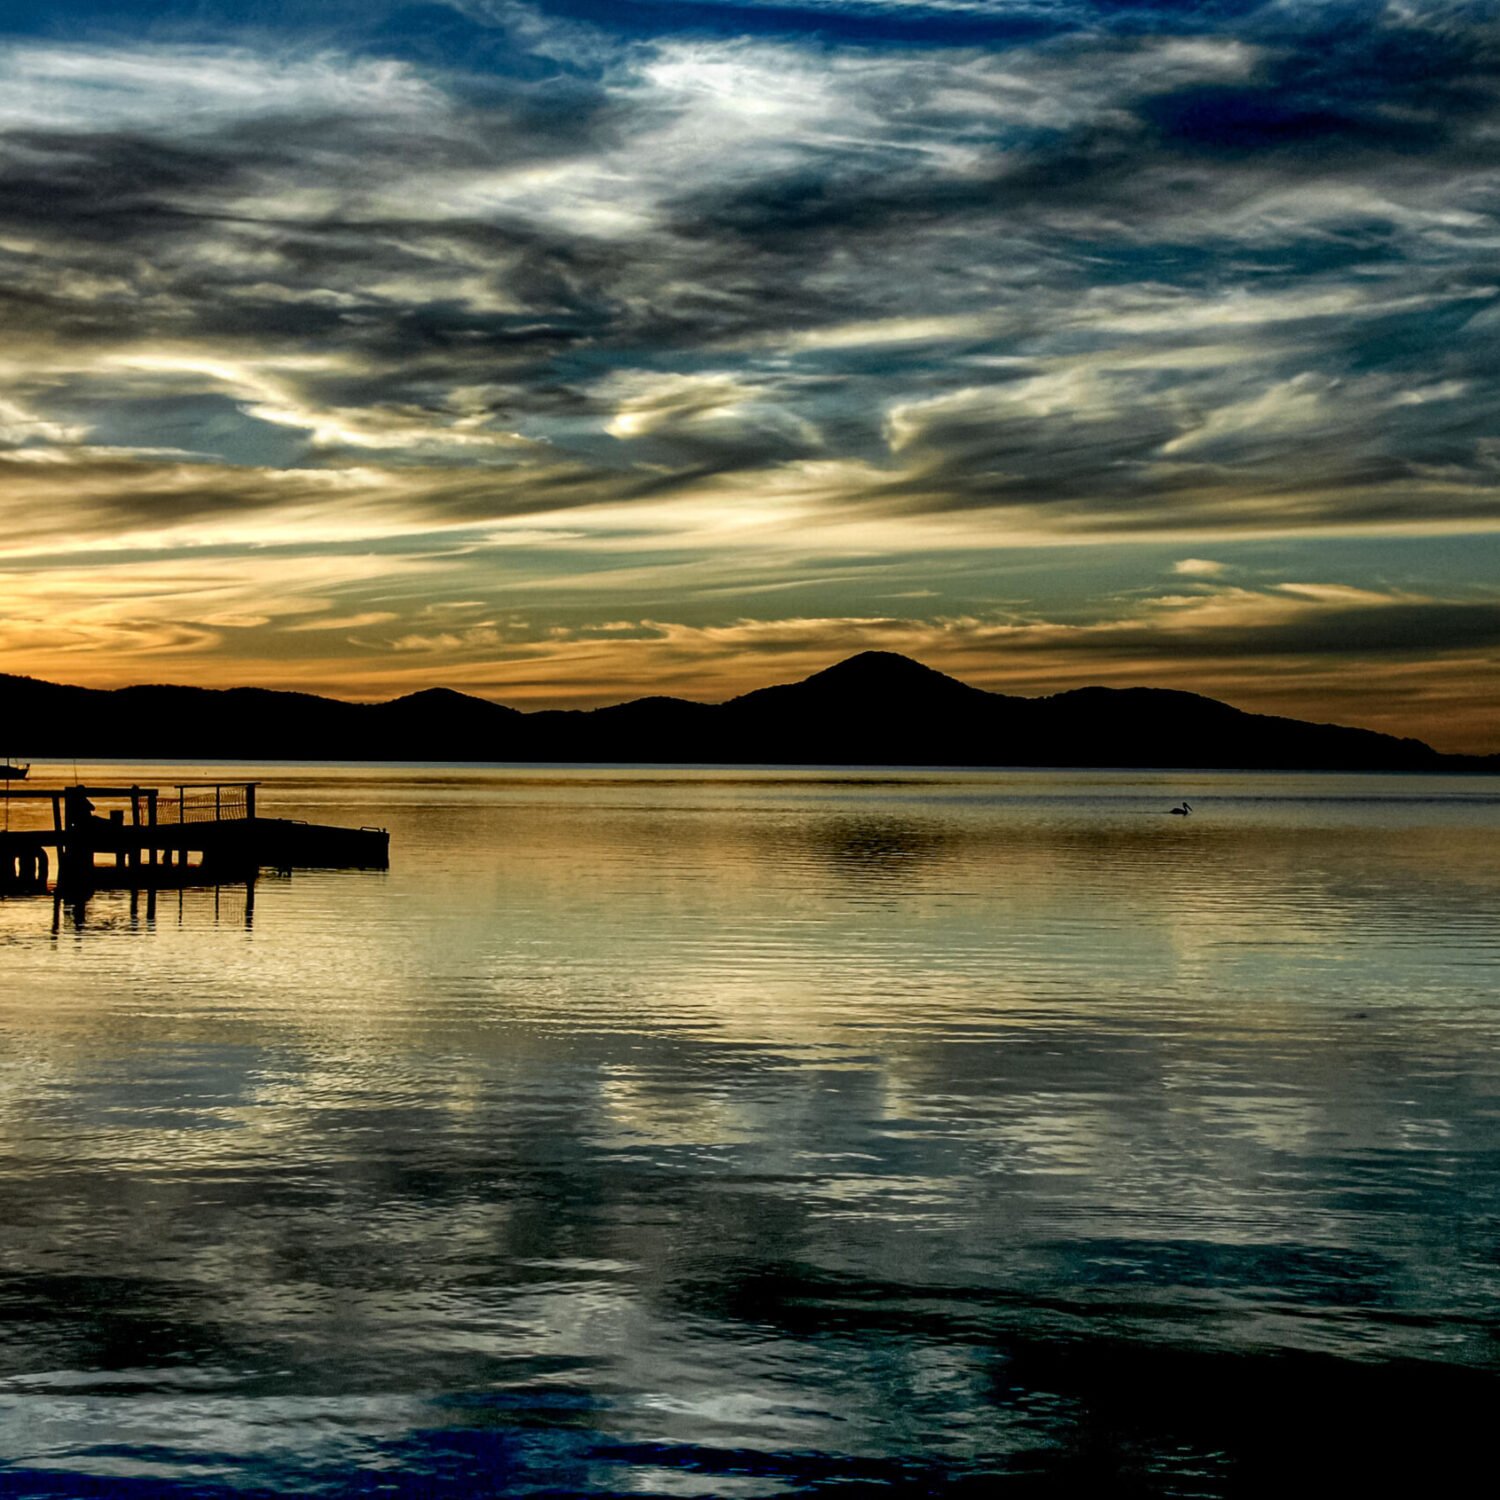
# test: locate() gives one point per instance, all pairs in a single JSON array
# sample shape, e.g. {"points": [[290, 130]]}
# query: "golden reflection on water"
{"points": [[614, 1082]]}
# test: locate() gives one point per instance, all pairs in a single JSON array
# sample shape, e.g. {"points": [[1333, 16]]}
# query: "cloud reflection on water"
{"points": [[628, 1131]]}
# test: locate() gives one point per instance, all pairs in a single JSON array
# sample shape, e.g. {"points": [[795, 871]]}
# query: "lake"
{"points": [[750, 1133]]}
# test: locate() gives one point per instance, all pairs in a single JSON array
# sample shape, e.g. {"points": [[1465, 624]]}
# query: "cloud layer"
{"points": [[505, 324]]}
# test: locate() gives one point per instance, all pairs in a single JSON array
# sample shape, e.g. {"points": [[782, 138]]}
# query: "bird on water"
{"points": [[1180, 812]]}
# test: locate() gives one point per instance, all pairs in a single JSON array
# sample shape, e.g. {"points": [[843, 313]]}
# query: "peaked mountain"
{"points": [[876, 708]]}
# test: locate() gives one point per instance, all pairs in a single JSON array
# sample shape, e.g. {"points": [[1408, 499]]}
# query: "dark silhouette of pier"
{"points": [[144, 837]]}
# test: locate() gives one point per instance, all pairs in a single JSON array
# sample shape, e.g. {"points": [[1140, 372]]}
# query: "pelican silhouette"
{"points": [[1180, 812]]}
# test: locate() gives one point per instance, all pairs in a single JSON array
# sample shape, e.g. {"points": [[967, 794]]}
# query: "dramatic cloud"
{"points": [[569, 313]]}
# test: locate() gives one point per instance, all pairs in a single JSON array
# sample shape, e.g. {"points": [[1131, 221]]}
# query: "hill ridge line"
{"points": [[873, 708]]}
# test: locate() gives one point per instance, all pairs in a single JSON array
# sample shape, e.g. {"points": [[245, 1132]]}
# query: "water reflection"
{"points": [[748, 1137], [135, 908], [871, 850]]}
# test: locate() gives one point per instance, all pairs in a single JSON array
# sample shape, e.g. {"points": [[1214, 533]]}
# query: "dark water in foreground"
{"points": [[745, 1135]]}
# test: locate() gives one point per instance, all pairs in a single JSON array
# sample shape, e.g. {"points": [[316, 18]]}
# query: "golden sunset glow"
{"points": [[564, 363]]}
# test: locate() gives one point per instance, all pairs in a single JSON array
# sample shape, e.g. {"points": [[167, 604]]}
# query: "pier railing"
{"points": [[208, 804]]}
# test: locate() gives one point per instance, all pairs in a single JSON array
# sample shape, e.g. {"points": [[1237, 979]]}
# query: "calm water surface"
{"points": [[748, 1133]]}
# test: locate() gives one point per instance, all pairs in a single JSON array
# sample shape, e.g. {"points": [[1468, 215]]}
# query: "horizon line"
{"points": [[876, 653]]}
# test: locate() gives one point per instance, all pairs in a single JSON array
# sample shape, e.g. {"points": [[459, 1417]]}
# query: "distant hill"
{"points": [[876, 708]]}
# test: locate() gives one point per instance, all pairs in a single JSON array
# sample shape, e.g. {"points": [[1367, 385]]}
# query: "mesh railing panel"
{"points": [[204, 806]]}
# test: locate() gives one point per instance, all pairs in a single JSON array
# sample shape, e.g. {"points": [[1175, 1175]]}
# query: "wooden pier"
{"points": [[145, 837]]}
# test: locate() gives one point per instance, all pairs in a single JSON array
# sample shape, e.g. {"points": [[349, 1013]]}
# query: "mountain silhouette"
{"points": [[876, 708]]}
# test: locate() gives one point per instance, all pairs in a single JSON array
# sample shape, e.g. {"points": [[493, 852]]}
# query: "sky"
{"points": [[564, 351]]}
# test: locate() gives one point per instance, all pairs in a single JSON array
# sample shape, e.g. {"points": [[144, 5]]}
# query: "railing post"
{"points": [[76, 851]]}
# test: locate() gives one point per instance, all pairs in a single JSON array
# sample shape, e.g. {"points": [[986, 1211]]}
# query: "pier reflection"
{"points": [[92, 910]]}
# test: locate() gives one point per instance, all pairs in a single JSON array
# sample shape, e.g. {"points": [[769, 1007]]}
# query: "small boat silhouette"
{"points": [[13, 773], [1180, 812]]}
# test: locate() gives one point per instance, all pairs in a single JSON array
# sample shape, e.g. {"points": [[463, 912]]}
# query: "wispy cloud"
{"points": [[802, 297]]}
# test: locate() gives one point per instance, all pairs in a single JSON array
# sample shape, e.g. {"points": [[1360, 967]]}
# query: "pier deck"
{"points": [[150, 838]]}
